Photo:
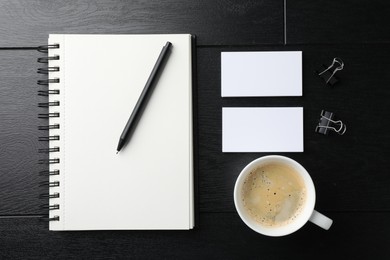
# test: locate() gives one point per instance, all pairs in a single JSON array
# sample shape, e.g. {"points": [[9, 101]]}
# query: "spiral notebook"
{"points": [[94, 82]]}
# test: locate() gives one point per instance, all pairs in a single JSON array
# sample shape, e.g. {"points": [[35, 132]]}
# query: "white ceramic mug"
{"points": [[307, 213]]}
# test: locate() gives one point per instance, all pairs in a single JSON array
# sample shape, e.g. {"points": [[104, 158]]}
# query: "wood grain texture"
{"points": [[327, 21], [28, 23], [218, 236], [19, 179], [351, 171]]}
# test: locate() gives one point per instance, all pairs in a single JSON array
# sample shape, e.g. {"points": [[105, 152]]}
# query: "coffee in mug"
{"points": [[273, 194]]}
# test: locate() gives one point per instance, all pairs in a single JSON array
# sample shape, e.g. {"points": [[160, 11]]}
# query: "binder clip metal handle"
{"points": [[326, 124], [328, 74]]}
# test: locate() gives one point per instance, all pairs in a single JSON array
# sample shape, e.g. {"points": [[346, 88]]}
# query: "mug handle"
{"points": [[320, 220]]}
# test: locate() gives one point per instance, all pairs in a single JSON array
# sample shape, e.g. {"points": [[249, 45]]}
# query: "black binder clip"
{"points": [[328, 74], [327, 123]]}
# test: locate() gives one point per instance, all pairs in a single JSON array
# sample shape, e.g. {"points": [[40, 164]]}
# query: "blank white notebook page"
{"points": [[148, 185], [268, 73], [265, 129]]}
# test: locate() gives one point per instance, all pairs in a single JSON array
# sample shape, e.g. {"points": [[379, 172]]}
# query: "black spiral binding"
{"points": [[46, 128]]}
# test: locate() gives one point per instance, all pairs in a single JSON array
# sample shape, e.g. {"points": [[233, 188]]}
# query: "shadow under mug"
{"points": [[308, 213]]}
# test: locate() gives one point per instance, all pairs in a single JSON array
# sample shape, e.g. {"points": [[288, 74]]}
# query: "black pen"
{"points": [[142, 100]]}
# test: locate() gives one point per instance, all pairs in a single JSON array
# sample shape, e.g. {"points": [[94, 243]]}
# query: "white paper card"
{"points": [[271, 73], [265, 129]]}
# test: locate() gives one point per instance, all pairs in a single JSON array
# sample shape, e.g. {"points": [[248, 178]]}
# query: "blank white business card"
{"points": [[261, 74], [265, 129]]}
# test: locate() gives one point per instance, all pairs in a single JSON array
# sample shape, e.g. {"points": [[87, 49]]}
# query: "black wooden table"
{"points": [[351, 172]]}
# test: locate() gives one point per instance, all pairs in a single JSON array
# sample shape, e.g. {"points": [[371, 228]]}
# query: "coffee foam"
{"points": [[273, 195]]}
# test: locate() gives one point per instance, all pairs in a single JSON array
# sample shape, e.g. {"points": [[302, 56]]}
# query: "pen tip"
{"points": [[117, 152]]}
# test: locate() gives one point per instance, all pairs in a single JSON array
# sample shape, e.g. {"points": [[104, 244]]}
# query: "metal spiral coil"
{"points": [[48, 115], [47, 137], [45, 48], [47, 70], [48, 92], [49, 104], [47, 59], [49, 184], [50, 196], [49, 150], [49, 161], [46, 82], [49, 173], [48, 127]]}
